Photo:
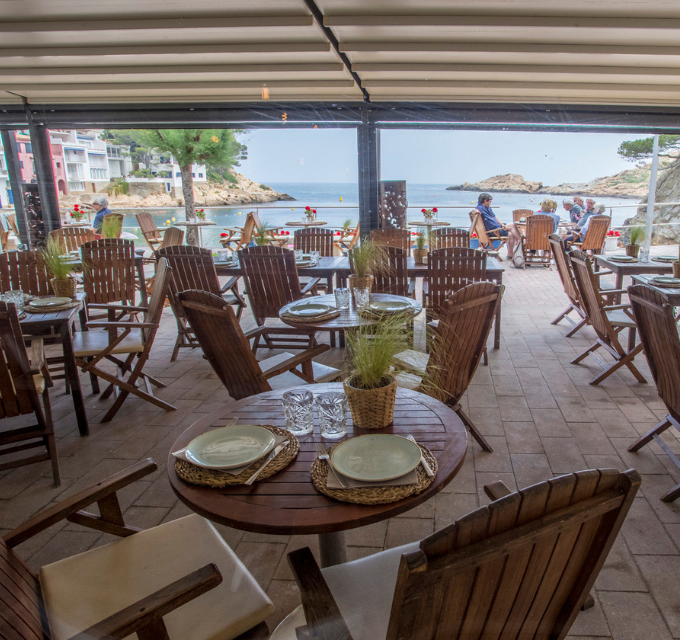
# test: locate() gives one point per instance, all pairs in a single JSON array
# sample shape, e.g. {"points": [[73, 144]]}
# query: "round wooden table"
{"points": [[349, 318], [198, 224], [313, 223], [429, 223], [287, 503]]}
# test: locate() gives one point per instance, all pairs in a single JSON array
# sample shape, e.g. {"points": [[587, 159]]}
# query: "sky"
{"points": [[434, 157]]}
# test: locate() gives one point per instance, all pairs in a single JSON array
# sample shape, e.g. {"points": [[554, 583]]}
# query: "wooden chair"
{"points": [[458, 345], [450, 237], [173, 237], [395, 279], [607, 320], [193, 268], [271, 281], [20, 384], [595, 235], [12, 221], [520, 567], [393, 238], [659, 337], [72, 238], [178, 580], [518, 214], [5, 230], [24, 270], [486, 238], [152, 234], [535, 242], [134, 342], [241, 237], [314, 239], [349, 238], [228, 350]]}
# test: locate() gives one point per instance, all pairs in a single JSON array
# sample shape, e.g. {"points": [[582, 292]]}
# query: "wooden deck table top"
{"points": [[671, 293]]}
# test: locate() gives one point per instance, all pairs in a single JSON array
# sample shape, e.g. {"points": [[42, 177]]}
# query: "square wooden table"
{"points": [[622, 269], [672, 294]]}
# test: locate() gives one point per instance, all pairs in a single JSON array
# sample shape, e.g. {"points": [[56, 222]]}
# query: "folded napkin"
{"points": [[232, 472]]}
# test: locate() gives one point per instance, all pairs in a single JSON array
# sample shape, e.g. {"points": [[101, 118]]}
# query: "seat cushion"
{"points": [[412, 360], [322, 373], [619, 319], [90, 343], [84, 589]]}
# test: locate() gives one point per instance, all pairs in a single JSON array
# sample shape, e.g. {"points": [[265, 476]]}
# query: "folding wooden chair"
{"points": [[518, 214], [393, 238], [24, 270], [134, 342], [147, 225], [349, 238], [486, 238], [72, 238], [535, 241], [607, 320], [450, 237], [595, 235], [519, 568], [314, 239]]}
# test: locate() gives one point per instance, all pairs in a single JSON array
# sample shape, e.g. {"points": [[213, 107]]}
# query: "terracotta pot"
{"points": [[632, 250], [372, 408], [360, 282], [419, 255], [64, 288]]}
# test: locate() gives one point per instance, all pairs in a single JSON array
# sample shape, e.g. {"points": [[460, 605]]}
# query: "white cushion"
{"points": [[618, 318], [90, 343], [408, 381], [322, 373], [84, 589], [363, 590], [413, 360]]}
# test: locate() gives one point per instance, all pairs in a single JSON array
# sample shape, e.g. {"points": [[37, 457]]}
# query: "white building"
{"points": [[84, 153]]}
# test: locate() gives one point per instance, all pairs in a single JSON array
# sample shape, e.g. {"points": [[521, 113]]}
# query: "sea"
{"points": [[337, 202]]}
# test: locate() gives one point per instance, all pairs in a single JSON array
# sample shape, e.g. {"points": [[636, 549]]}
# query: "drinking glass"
{"points": [[643, 255], [298, 255], [17, 297], [342, 298], [314, 257], [222, 256], [299, 412], [362, 296], [332, 409]]}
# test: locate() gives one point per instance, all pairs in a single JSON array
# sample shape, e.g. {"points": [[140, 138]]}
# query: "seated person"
{"points": [[101, 206], [492, 223], [589, 211], [573, 209], [579, 234], [549, 208]]}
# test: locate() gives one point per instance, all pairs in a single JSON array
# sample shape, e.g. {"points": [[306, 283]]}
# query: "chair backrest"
{"points": [[450, 237], [24, 270], [656, 324], [477, 227], [147, 226], [395, 280], [12, 221], [518, 214], [109, 270], [173, 237], [161, 286], [249, 228], [314, 239], [589, 293], [224, 344], [539, 228], [520, 567], [596, 233], [564, 268], [355, 238], [71, 238], [449, 270], [393, 238], [271, 279]]}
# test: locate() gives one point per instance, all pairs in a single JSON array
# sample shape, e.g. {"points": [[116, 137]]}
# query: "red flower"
{"points": [[617, 234], [422, 210], [307, 209], [287, 233], [434, 209], [223, 235], [75, 207], [474, 235], [72, 215], [313, 210]]}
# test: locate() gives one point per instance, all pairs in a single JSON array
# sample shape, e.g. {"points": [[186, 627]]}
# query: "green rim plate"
{"points": [[309, 309], [666, 280], [42, 303], [389, 305], [622, 258], [376, 457], [665, 258], [230, 447]]}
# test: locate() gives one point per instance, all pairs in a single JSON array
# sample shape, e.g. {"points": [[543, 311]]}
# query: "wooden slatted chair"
{"points": [[178, 580], [134, 342], [595, 235], [349, 238], [72, 238], [535, 241], [314, 239], [24, 270], [484, 237], [240, 237], [659, 336], [450, 237], [271, 281], [607, 320], [193, 268], [173, 237], [518, 568], [12, 221], [228, 350], [458, 345], [395, 280], [152, 234], [518, 214], [5, 230], [20, 384], [393, 238]]}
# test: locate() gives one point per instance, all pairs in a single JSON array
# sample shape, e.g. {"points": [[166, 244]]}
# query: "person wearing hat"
{"points": [[492, 223], [101, 206]]}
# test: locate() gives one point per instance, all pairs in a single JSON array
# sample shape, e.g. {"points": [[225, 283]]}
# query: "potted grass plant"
{"points": [[262, 234], [57, 262], [112, 227], [366, 259], [370, 386], [420, 251], [637, 236]]}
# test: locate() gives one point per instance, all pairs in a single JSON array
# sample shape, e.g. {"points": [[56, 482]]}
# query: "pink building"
{"points": [[28, 166]]}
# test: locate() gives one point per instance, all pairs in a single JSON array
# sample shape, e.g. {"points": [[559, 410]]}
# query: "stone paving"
{"points": [[538, 412]]}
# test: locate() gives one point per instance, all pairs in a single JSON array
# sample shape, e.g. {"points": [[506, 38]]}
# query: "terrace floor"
{"points": [[538, 412]]}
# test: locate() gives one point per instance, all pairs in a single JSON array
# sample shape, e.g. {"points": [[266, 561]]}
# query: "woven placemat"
{"points": [[373, 495], [305, 320], [218, 479], [54, 309], [664, 285]]}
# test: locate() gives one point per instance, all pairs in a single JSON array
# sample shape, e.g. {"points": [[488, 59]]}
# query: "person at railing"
{"points": [[101, 207], [573, 209], [492, 223]]}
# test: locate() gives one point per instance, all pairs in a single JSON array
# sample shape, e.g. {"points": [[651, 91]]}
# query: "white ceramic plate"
{"points": [[665, 258], [230, 447], [309, 309], [377, 457], [661, 280], [389, 305], [42, 303], [622, 259]]}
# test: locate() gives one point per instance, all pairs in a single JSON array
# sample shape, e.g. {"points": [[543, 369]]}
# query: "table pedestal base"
{"points": [[333, 548]]}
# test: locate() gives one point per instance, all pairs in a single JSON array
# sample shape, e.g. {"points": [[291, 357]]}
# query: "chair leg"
{"points": [[50, 441], [562, 315], [627, 360], [178, 344], [588, 351], [649, 436], [577, 327], [472, 429]]}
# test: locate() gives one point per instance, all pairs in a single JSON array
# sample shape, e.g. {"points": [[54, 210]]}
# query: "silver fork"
{"points": [[423, 461], [322, 454]]}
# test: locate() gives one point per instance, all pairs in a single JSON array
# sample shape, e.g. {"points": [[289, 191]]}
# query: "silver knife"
{"points": [[270, 457], [423, 461]]}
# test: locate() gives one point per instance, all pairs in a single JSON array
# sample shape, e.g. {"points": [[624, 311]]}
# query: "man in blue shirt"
{"points": [[101, 206], [573, 209], [492, 223]]}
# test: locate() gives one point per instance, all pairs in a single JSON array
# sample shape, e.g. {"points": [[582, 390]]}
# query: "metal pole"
{"points": [[368, 147], [44, 173], [9, 143], [644, 254]]}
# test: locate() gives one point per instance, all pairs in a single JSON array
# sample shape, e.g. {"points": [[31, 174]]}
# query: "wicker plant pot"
{"points": [[676, 269], [419, 255], [64, 288], [372, 408], [360, 282], [632, 250]]}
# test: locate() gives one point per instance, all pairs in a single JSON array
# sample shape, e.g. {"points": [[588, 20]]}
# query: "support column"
{"points": [[44, 173], [9, 143], [368, 147]]}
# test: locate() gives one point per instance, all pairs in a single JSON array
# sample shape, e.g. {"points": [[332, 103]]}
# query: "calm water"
{"points": [[336, 202]]}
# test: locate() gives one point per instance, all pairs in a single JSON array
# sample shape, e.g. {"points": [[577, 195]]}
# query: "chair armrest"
{"points": [[147, 613], [608, 292], [310, 285], [293, 362], [118, 307], [233, 229], [66, 508], [230, 283], [321, 611], [613, 307], [606, 272], [120, 325], [256, 333], [496, 490]]}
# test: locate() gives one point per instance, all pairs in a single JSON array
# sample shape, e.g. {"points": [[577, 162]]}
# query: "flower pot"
{"points": [[632, 250], [360, 282], [372, 408], [610, 243], [419, 255], [65, 288]]}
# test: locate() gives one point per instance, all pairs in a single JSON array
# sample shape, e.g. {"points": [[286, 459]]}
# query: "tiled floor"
{"points": [[537, 410]]}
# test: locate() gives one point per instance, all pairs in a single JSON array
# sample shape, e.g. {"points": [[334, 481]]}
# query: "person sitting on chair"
{"points": [[549, 208], [579, 233], [573, 209], [101, 206], [492, 223]]}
